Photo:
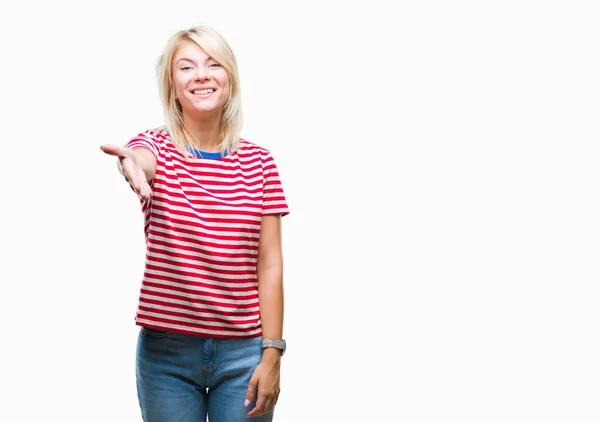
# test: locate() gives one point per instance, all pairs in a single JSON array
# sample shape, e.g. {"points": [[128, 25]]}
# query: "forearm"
{"points": [[144, 158], [269, 271], [270, 296]]}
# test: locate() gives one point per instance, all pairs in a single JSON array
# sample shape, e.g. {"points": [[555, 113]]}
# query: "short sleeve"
{"points": [[273, 197], [146, 140]]}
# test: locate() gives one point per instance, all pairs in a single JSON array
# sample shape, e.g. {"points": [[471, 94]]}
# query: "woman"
{"points": [[211, 300]]}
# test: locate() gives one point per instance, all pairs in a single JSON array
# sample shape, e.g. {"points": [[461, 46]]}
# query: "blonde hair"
{"points": [[217, 47]]}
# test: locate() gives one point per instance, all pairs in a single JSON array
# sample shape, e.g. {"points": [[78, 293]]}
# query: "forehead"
{"points": [[190, 50]]}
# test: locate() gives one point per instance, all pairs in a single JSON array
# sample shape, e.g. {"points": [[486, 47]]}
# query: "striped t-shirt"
{"points": [[202, 226]]}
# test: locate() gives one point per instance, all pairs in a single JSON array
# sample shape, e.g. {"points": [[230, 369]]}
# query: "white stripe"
{"points": [[270, 210], [214, 284], [202, 242], [209, 211], [158, 235], [206, 307], [182, 175], [239, 318], [239, 245], [183, 204], [197, 261], [212, 226], [217, 174], [204, 193], [197, 275], [194, 321], [204, 216]]}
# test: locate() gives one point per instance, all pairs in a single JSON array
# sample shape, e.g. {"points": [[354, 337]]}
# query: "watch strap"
{"points": [[277, 344]]}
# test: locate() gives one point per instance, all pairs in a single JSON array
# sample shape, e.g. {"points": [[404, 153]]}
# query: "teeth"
{"points": [[203, 91]]}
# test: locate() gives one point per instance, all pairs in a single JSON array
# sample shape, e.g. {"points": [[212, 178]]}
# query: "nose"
{"points": [[201, 74]]}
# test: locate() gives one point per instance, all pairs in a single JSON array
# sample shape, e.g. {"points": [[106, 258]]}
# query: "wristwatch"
{"points": [[276, 344]]}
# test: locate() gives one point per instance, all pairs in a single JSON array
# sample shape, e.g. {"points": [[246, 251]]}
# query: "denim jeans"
{"points": [[184, 378]]}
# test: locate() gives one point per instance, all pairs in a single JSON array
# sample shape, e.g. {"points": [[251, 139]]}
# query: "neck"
{"points": [[205, 132]]}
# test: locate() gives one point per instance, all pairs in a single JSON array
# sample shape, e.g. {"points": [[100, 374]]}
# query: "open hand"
{"points": [[131, 169]]}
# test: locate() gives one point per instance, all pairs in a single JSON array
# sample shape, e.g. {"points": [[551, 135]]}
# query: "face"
{"points": [[201, 84]]}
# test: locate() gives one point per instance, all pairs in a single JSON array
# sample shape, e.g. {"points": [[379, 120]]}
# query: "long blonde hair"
{"points": [[217, 47]]}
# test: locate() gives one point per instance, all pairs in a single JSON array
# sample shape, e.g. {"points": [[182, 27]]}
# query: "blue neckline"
{"points": [[203, 154]]}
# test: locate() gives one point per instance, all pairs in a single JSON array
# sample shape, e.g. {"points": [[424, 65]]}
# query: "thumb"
{"points": [[118, 151], [251, 392], [111, 149]]}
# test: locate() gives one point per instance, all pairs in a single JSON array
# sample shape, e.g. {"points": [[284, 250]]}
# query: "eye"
{"points": [[215, 65], [186, 67]]}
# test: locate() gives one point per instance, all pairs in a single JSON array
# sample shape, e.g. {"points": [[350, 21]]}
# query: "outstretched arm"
{"points": [[138, 166]]}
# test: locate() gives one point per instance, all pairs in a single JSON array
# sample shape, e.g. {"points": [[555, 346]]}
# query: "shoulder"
{"points": [[152, 135], [248, 148], [152, 139], [158, 135]]}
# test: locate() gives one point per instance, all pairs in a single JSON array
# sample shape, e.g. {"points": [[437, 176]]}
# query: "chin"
{"points": [[203, 110]]}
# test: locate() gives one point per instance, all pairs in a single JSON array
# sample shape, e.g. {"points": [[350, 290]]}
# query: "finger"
{"points": [[146, 191], [118, 151], [271, 403], [259, 409], [130, 173], [144, 186], [128, 169], [112, 149], [267, 406], [251, 392]]}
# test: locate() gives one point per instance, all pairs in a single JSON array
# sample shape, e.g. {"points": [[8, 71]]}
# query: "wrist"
{"points": [[271, 354]]}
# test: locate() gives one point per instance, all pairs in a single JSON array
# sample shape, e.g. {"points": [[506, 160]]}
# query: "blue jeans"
{"points": [[182, 378]]}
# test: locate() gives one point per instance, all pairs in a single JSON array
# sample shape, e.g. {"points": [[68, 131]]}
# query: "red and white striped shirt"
{"points": [[202, 226]]}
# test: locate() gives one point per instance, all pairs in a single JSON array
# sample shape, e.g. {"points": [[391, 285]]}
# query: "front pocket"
{"points": [[153, 332]]}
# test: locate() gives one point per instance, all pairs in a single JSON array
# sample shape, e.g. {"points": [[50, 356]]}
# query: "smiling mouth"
{"points": [[202, 92]]}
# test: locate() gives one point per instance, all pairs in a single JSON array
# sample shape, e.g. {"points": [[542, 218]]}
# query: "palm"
{"points": [[132, 171]]}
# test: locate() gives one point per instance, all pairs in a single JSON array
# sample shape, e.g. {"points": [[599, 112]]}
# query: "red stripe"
{"points": [[228, 257], [229, 194], [208, 300], [159, 205], [198, 267], [195, 308], [197, 202], [229, 321], [196, 326], [244, 250], [202, 227], [193, 276], [232, 311]]}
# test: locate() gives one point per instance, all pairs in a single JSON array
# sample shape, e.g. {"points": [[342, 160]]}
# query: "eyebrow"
{"points": [[191, 61]]}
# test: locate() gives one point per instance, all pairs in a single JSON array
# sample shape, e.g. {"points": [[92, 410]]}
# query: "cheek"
{"points": [[224, 81], [178, 92], [179, 88], [225, 90]]}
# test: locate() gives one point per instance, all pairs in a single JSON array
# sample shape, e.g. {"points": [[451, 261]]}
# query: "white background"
{"points": [[440, 160]]}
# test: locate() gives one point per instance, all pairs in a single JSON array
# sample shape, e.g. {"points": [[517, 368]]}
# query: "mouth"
{"points": [[203, 92]]}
